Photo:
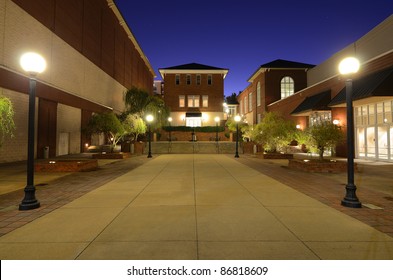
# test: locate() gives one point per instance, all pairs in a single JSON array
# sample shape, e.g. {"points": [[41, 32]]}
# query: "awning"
{"points": [[375, 85], [318, 102], [193, 115]]}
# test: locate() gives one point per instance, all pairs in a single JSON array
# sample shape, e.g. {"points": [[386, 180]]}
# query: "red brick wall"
{"points": [[215, 91]]}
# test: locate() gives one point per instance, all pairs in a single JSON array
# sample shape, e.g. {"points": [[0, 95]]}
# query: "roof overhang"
{"points": [[223, 72], [376, 86], [314, 103]]}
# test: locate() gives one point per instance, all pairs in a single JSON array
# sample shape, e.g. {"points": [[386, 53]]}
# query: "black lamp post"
{"points": [[149, 119], [217, 120], [33, 64], [237, 120], [170, 129], [350, 66]]}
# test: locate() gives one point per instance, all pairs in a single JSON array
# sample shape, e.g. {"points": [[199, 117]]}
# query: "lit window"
{"points": [[193, 101], [245, 104], [250, 102], [198, 79], [259, 94], [188, 79], [209, 79], [177, 79], [287, 87], [205, 101], [181, 101]]}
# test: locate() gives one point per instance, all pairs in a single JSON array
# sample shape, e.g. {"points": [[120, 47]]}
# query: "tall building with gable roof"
{"points": [[195, 93]]}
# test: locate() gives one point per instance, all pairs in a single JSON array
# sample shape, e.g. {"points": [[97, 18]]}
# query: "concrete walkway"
{"points": [[195, 207]]}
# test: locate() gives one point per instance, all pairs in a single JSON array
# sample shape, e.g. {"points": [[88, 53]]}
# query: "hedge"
{"points": [[196, 129]]}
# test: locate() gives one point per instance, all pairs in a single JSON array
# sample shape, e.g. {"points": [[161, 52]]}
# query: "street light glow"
{"points": [[216, 119], [349, 65], [149, 118], [32, 63], [237, 118]]}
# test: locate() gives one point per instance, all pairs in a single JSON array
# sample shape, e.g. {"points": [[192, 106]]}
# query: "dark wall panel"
{"points": [[42, 10], [47, 121], [92, 31], [108, 42], [69, 22]]}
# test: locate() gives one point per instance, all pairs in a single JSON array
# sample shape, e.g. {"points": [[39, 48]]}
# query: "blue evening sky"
{"points": [[242, 35]]}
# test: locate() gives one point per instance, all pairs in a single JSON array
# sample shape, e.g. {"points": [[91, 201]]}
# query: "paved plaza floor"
{"points": [[192, 207]]}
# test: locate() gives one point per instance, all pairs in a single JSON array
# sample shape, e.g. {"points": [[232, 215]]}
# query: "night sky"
{"points": [[242, 35]]}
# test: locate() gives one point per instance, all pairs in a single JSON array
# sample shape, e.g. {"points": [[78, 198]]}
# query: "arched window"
{"points": [[287, 87]]}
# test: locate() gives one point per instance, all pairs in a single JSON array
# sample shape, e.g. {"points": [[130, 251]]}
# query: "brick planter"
{"points": [[111, 156], [274, 156], [66, 165], [314, 165]]}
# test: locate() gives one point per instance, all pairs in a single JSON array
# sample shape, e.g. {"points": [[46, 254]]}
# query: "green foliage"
{"points": [[320, 137], [231, 99], [274, 133], [109, 124], [134, 126], [231, 124], [196, 129], [7, 125], [141, 103]]}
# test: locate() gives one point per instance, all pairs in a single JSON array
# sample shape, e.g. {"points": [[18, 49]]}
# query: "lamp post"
{"points": [[347, 67], [237, 120], [170, 129], [33, 64], [217, 120], [149, 119]]}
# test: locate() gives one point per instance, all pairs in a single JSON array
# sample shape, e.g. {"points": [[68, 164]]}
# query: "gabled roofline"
{"points": [[280, 64], [193, 68]]}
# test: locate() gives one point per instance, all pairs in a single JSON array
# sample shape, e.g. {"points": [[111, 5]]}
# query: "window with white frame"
{"points": [[209, 79], [188, 79], [193, 101], [259, 94], [198, 80], [245, 104], [250, 102], [241, 107], [287, 87], [177, 79], [182, 101], [205, 101]]}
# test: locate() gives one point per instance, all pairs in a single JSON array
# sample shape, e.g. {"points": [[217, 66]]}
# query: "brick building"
{"points": [[269, 83], [323, 96], [92, 58], [194, 93]]}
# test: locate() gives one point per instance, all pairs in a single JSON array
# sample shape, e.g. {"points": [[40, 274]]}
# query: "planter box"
{"points": [[66, 165], [314, 165], [111, 156], [274, 156]]}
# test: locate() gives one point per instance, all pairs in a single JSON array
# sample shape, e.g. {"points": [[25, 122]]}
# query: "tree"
{"points": [[134, 125], [109, 124], [139, 102], [274, 133], [321, 136], [7, 125], [231, 99]]}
